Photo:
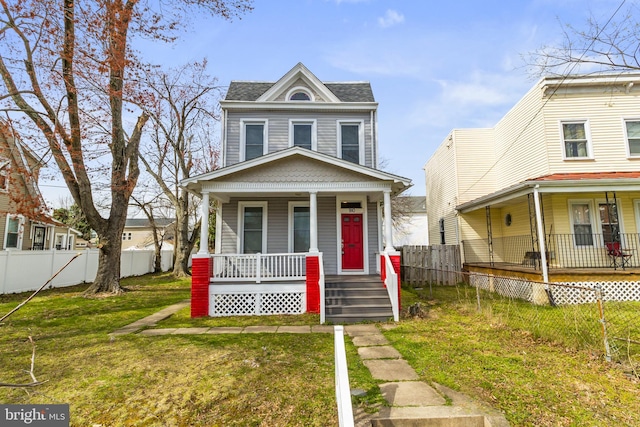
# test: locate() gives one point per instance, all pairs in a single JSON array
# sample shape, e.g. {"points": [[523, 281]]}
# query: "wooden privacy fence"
{"points": [[435, 264]]}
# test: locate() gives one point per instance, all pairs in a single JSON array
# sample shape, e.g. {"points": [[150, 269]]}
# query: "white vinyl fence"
{"points": [[22, 271]]}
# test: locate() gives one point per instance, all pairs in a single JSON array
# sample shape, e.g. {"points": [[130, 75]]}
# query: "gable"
{"points": [[298, 170]]}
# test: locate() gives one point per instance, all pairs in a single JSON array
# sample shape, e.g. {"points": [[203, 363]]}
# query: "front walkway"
{"points": [[410, 400]]}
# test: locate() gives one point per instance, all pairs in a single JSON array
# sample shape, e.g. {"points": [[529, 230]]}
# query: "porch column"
{"points": [[204, 225], [313, 222], [388, 230], [542, 241]]}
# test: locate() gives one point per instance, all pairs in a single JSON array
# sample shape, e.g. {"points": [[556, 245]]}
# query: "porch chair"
{"points": [[617, 255]]}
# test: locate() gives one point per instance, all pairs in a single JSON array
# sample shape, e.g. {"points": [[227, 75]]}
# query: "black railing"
{"points": [[562, 250]]}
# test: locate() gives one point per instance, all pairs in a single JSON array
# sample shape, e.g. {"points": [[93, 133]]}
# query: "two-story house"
{"points": [[24, 224], [138, 233], [299, 197], [552, 192]]}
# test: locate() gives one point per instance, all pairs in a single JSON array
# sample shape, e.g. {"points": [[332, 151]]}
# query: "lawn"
{"points": [[134, 380], [287, 379], [534, 381]]}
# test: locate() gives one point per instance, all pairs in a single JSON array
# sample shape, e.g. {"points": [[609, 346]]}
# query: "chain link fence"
{"points": [[599, 318]]}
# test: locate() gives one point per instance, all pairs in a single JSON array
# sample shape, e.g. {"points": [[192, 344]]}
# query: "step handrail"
{"points": [[343, 390]]}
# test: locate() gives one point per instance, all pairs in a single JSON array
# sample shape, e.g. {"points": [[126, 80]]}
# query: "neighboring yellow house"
{"points": [[551, 192], [138, 233], [24, 223]]}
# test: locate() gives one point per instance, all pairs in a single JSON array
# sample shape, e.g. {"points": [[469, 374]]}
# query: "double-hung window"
{"points": [[575, 136], [252, 217], [13, 235], [350, 142], [254, 138], [581, 223], [303, 134], [299, 227], [609, 222], [632, 128]]}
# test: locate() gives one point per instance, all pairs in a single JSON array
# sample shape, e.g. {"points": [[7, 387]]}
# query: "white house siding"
{"points": [[519, 148], [278, 131], [475, 158], [605, 113]]}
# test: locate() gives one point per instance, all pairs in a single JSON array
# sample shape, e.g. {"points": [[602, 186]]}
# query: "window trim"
{"points": [[626, 137], [292, 206], [592, 221], [297, 89], [243, 136], [360, 124], [314, 133], [240, 238], [587, 133], [21, 222]]}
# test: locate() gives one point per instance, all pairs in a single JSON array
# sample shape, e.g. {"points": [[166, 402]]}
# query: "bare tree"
{"points": [[68, 68], [182, 113], [611, 45]]}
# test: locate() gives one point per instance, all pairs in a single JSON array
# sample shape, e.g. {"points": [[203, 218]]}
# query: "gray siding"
{"points": [[372, 230], [278, 131], [328, 234]]}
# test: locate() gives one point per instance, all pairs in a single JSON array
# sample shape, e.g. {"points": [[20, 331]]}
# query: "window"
{"points": [[126, 236], [609, 222], [633, 137], [349, 140], [581, 222], [302, 134], [14, 232], [576, 140], [255, 136], [441, 228], [299, 227], [299, 94], [4, 175], [253, 227]]}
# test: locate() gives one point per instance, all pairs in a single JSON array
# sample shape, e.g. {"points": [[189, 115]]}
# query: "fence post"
{"points": [[607, 350], [478, 297]]}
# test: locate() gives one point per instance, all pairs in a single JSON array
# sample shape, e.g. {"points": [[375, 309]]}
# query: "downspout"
{"points": [[374, 140], [542, 242], [224, 137]]}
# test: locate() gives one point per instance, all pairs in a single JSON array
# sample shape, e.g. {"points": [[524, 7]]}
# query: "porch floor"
{"points": [[557, 273]]}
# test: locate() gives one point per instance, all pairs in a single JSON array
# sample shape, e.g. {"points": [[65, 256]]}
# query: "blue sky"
{"points": [[433, 65]]}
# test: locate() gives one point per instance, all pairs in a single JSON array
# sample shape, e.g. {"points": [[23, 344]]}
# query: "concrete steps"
{"points": [[353, 299]]}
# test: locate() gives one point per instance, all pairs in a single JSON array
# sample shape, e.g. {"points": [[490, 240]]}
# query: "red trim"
{"points": [[383, 270], [572, 176], [395, 261], [201, 269], [313, 284]]}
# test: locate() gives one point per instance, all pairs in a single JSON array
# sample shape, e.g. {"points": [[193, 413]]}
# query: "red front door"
{"points": [[352, 248]]}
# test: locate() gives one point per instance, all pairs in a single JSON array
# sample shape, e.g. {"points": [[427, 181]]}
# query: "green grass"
{"points": [[534, 381], [178, 380]]}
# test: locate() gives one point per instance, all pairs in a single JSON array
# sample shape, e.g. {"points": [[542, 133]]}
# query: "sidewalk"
{"points": [[411, 402]]}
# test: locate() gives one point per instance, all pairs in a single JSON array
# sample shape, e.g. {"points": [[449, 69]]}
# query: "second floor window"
{"points": [[633, 137], [302, 134], [4, 175], [254, 139], [350, 142], [576, 141]]}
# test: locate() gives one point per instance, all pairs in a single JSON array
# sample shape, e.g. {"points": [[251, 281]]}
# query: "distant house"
{"points": [[552, 191], [411, 228], [300, 198], [138, 233], [24, 223]]}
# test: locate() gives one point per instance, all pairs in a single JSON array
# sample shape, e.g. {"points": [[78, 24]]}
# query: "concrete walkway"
{"points": [[411, 402]]}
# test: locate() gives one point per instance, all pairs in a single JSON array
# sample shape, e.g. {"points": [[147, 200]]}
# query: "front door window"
{"points": [[38, 238]]}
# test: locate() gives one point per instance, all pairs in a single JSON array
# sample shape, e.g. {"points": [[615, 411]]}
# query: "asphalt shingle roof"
{"points": [[345, 92]]}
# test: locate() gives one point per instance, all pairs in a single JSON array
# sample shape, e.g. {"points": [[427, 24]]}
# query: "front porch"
{"points": [[292, 283]]}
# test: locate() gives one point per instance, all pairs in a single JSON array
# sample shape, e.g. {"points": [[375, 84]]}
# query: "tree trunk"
{"points": [[182, 248], [108, 276]]}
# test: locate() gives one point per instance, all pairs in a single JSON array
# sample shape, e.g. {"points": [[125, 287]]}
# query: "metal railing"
{"points": [[562, 251], [258, 267]]}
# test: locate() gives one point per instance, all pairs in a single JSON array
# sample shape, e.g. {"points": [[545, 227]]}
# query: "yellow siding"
{"points": [[474, 151]]}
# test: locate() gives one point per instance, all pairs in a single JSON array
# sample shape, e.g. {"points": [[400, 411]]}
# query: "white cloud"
{"points": [[390, 18]]}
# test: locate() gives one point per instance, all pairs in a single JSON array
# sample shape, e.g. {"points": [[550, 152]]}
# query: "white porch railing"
{"points": [[321, 285], [258, 267], [391, 283]]}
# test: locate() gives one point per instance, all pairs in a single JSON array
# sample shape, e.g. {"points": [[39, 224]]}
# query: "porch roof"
{"points": [[558, 183], [277, 173]]}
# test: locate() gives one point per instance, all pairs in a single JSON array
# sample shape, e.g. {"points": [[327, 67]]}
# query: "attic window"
{"points": [[4, 175], [300, 96]]}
